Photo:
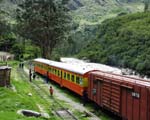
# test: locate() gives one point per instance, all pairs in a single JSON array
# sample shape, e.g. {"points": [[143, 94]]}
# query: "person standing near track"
{"points": [[51, 91], [34, 75], [30, 75], [84, 97]]}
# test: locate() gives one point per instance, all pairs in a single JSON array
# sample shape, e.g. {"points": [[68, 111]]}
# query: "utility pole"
{"points": [[30, 72]]}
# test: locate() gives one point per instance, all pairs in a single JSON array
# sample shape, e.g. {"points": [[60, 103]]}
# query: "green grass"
{"points": [[13, 100]]}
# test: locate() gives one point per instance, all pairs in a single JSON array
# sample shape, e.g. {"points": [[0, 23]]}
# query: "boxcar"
{"points": [[125, 96], [70, 76]]}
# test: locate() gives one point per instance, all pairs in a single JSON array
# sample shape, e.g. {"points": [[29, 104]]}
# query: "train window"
{"points": [[58, 73], [49, 69], [94, 91], [77, 80], [53, 71], [80, 80], [72, 78], [64, 75], [68, 76]]}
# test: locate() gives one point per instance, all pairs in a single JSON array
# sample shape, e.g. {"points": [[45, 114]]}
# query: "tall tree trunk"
{"points": [[43, 52]]}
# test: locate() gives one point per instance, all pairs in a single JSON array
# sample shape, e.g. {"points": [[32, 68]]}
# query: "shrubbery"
{"points": [[122, 41]]}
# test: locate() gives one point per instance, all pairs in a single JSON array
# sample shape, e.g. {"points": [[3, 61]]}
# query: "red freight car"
{"points": [[125, 96]]}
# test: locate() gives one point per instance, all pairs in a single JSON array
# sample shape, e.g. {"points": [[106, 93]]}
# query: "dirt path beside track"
{"points": [[75, 106]]}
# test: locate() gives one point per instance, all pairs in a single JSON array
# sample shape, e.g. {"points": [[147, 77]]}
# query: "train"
{"points": [[126, 97]]}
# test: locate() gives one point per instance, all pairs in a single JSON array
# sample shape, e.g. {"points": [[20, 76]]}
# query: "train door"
{"points": [[94, 90], [97, 91], [135, 103], [111, 96]]}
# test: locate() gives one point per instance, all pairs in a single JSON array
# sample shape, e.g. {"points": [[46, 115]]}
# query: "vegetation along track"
{"points": [[58, 109]]}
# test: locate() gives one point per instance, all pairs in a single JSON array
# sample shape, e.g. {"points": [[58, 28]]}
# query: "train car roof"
{"points": [[90, 65], [81, 69], [122, 78]]}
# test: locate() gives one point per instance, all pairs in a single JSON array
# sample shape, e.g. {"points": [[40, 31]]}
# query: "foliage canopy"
{"points": [[44, 22], [123, 41]]}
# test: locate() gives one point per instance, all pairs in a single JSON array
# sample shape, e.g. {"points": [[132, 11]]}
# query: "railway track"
{"points": [[56, 107]]}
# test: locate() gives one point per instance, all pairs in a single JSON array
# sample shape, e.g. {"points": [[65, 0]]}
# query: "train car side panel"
{"points": [[38, 69], [129, 104], [95, 89], [90, 87], [124, 103], [148, 103], [115, 97], [143, 104], [106, 95], [73, 86], [136, 104], [99, 92], [125, 96], [55, 78]]}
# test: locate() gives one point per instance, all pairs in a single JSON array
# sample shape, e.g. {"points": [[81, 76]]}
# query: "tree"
{"points": [[45, 22], [6, 36]]}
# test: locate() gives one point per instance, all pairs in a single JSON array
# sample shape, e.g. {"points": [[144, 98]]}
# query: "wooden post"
{"points": [[30, 74]]}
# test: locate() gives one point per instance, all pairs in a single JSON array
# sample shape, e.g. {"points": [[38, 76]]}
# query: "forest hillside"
{"points": [[113, 32], [122, 41], [87, 15]]}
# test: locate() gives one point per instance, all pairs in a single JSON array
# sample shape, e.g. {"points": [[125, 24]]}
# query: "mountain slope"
{"points": [[87, 15], [122, 41]]}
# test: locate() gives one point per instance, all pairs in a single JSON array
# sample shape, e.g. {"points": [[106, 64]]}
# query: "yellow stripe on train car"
{"points": [[85, 82]]}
